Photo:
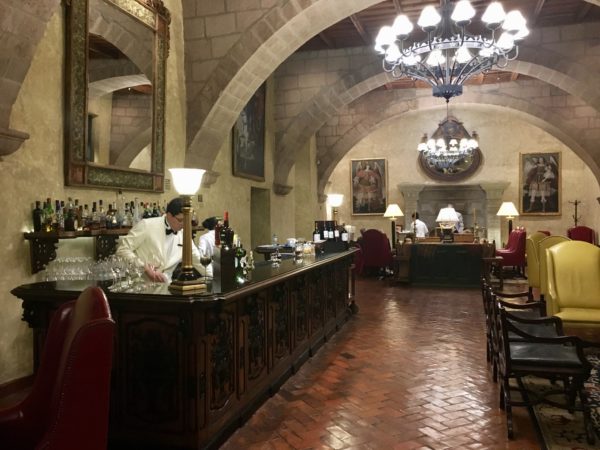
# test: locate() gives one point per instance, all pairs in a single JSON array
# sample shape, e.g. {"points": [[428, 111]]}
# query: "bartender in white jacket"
{"points": [[156, 244]]}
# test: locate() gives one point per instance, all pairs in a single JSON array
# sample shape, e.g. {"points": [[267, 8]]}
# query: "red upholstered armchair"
{"points": [[67, 408], [582, 233], [375, 251], [514, 253]]}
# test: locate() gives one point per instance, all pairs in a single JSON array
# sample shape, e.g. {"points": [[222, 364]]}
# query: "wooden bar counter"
{"points": [[187, 370]]}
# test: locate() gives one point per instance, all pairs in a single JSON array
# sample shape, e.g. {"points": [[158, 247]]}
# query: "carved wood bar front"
{"points": [[188, 370]]}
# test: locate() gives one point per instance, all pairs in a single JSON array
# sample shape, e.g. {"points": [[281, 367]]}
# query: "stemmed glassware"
{"points": [[205, 260]]}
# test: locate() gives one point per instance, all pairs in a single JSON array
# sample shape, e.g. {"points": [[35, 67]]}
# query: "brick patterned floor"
{"points": [[407, 372]]}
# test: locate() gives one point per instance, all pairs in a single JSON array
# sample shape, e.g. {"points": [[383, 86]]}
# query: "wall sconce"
{"points": [[335, 200], [187, 182], [508, 210], [393, 211], [447, 218]]}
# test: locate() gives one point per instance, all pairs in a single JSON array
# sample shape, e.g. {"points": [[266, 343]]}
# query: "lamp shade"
{"points": [[393, 210], [507, 209], [335, 200], [187, 181], [447, 215]]}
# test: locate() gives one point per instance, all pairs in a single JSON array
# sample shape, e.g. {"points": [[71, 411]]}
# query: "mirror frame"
{"points": [[78, 171]]}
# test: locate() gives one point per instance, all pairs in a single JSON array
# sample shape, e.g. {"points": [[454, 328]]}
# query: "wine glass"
{"points": [[155, 264], [205, 260]]}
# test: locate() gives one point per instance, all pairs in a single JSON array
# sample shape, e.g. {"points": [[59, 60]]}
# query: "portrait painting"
{"points": [[368, 186], [540, 183], [249, 139]]}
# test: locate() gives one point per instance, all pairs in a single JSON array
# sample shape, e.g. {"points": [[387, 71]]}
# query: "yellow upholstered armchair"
{"points": [[574, 282], [544, 245], [533, 260]]}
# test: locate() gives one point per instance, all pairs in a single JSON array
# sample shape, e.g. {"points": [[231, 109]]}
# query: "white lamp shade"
{"points": [[463, 11], [447, 215], [335, 200], [514, 21], [393, 210], [402, 25], [429, 18], [494, 14], [507, 209], [187, 181]]}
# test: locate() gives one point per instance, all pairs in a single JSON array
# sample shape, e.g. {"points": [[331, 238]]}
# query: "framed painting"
{"points": [[540, 184], [368, 185], [249, 139]]}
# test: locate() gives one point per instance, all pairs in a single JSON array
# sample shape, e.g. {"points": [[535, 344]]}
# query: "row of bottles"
{"points": [[59, 215], [329, 231], [231, 262]]}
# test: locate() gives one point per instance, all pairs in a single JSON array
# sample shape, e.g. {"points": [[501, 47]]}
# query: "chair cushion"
{"points": [[536, 354], [580, 314], [537, 330]]}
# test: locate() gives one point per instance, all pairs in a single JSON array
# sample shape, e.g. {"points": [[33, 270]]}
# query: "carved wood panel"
{"points": [[299, 298], [280, 316], [252, 340], [153, 370]]}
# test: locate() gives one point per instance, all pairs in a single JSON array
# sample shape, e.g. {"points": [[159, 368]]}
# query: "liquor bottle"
{"points": [[48, 215], [240, 263], [58, 223], [316, 232], [336, 232], [330, 232], [218, 227], [85, 218], [94, 222], [38, 217], [344, 234], [226, 232], [101, 215]]}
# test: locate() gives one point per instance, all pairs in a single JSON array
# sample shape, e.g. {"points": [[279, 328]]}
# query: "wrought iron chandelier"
{"points": [[449, 55], [450, 146]]}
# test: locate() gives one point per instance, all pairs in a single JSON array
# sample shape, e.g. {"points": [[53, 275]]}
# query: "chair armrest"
{"points": [[520, 306]]}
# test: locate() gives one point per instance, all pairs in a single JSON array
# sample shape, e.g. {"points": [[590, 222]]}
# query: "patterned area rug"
{"points": [[560, 429]]}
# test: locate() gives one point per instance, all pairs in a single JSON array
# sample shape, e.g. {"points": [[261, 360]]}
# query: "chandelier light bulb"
{"points": [[521, 34], [494, 15], [411, 60], [384, 39], [402, 26], [463, 55], [463, 12], [429, 19], [506, 41], [392, 53], [514, 21], [436, 57]]}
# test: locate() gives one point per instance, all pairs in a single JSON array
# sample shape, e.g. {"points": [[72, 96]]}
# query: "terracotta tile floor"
{"points": [[407, 372]]}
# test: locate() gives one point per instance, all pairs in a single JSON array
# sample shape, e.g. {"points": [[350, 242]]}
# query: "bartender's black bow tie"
{"points": [[170, 231]]}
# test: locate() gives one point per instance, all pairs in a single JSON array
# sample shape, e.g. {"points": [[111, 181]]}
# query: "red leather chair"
{"points": [[67, 408], [582, 233], [375, 251], [514, 253]]}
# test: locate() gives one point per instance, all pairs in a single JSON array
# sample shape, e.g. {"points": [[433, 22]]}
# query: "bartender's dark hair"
{"points": [[415, 215], [175, 206], [209, 223]]}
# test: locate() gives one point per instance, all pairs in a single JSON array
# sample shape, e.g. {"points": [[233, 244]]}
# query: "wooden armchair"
{"points": [[582, 233], [514, 253], [375, 251], [67, 408], [574, 283]]}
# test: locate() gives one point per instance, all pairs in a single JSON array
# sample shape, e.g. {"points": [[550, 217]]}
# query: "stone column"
{"points": [[494, 192], [410, 192]]}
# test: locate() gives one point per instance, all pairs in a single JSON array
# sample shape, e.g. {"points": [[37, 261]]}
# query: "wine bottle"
{"points": [[316, 232], [48, 215], [240, 263], [38, 217], [344, 234], [226, 232], [336, 232], [330, 233]]}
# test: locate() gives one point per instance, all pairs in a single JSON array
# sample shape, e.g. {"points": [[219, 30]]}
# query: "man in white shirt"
{"points": [[156, 244], [460, 226], [206, 242], [419, 227]]}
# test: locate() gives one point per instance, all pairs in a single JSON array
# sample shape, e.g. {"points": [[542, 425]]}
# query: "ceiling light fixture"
{"points": [[449, 55]]}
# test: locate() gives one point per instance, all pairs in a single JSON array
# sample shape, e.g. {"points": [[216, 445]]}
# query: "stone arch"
{"points": [[251, 60], [130, 38], [18, 48], [566, 74], [102, 87], [137, 144], [392, 109]]}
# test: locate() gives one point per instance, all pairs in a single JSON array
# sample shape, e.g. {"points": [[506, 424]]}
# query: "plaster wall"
{"points": [[502, 139], [36, 172]]}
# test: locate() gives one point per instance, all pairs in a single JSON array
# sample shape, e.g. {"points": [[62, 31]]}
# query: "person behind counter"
{"points": [[156, 244], [206, 242], [418, 226], [460, 226]]}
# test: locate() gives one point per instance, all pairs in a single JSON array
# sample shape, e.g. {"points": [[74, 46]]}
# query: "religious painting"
{"points": [[249, 139], [368, 186], [540, 184]]}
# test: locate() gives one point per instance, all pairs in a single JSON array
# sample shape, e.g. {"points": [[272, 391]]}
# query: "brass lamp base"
{"points": [[447, 235], [187, 284]]}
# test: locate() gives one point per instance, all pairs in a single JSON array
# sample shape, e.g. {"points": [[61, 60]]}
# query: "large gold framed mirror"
{"points": [[115, 93]]}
